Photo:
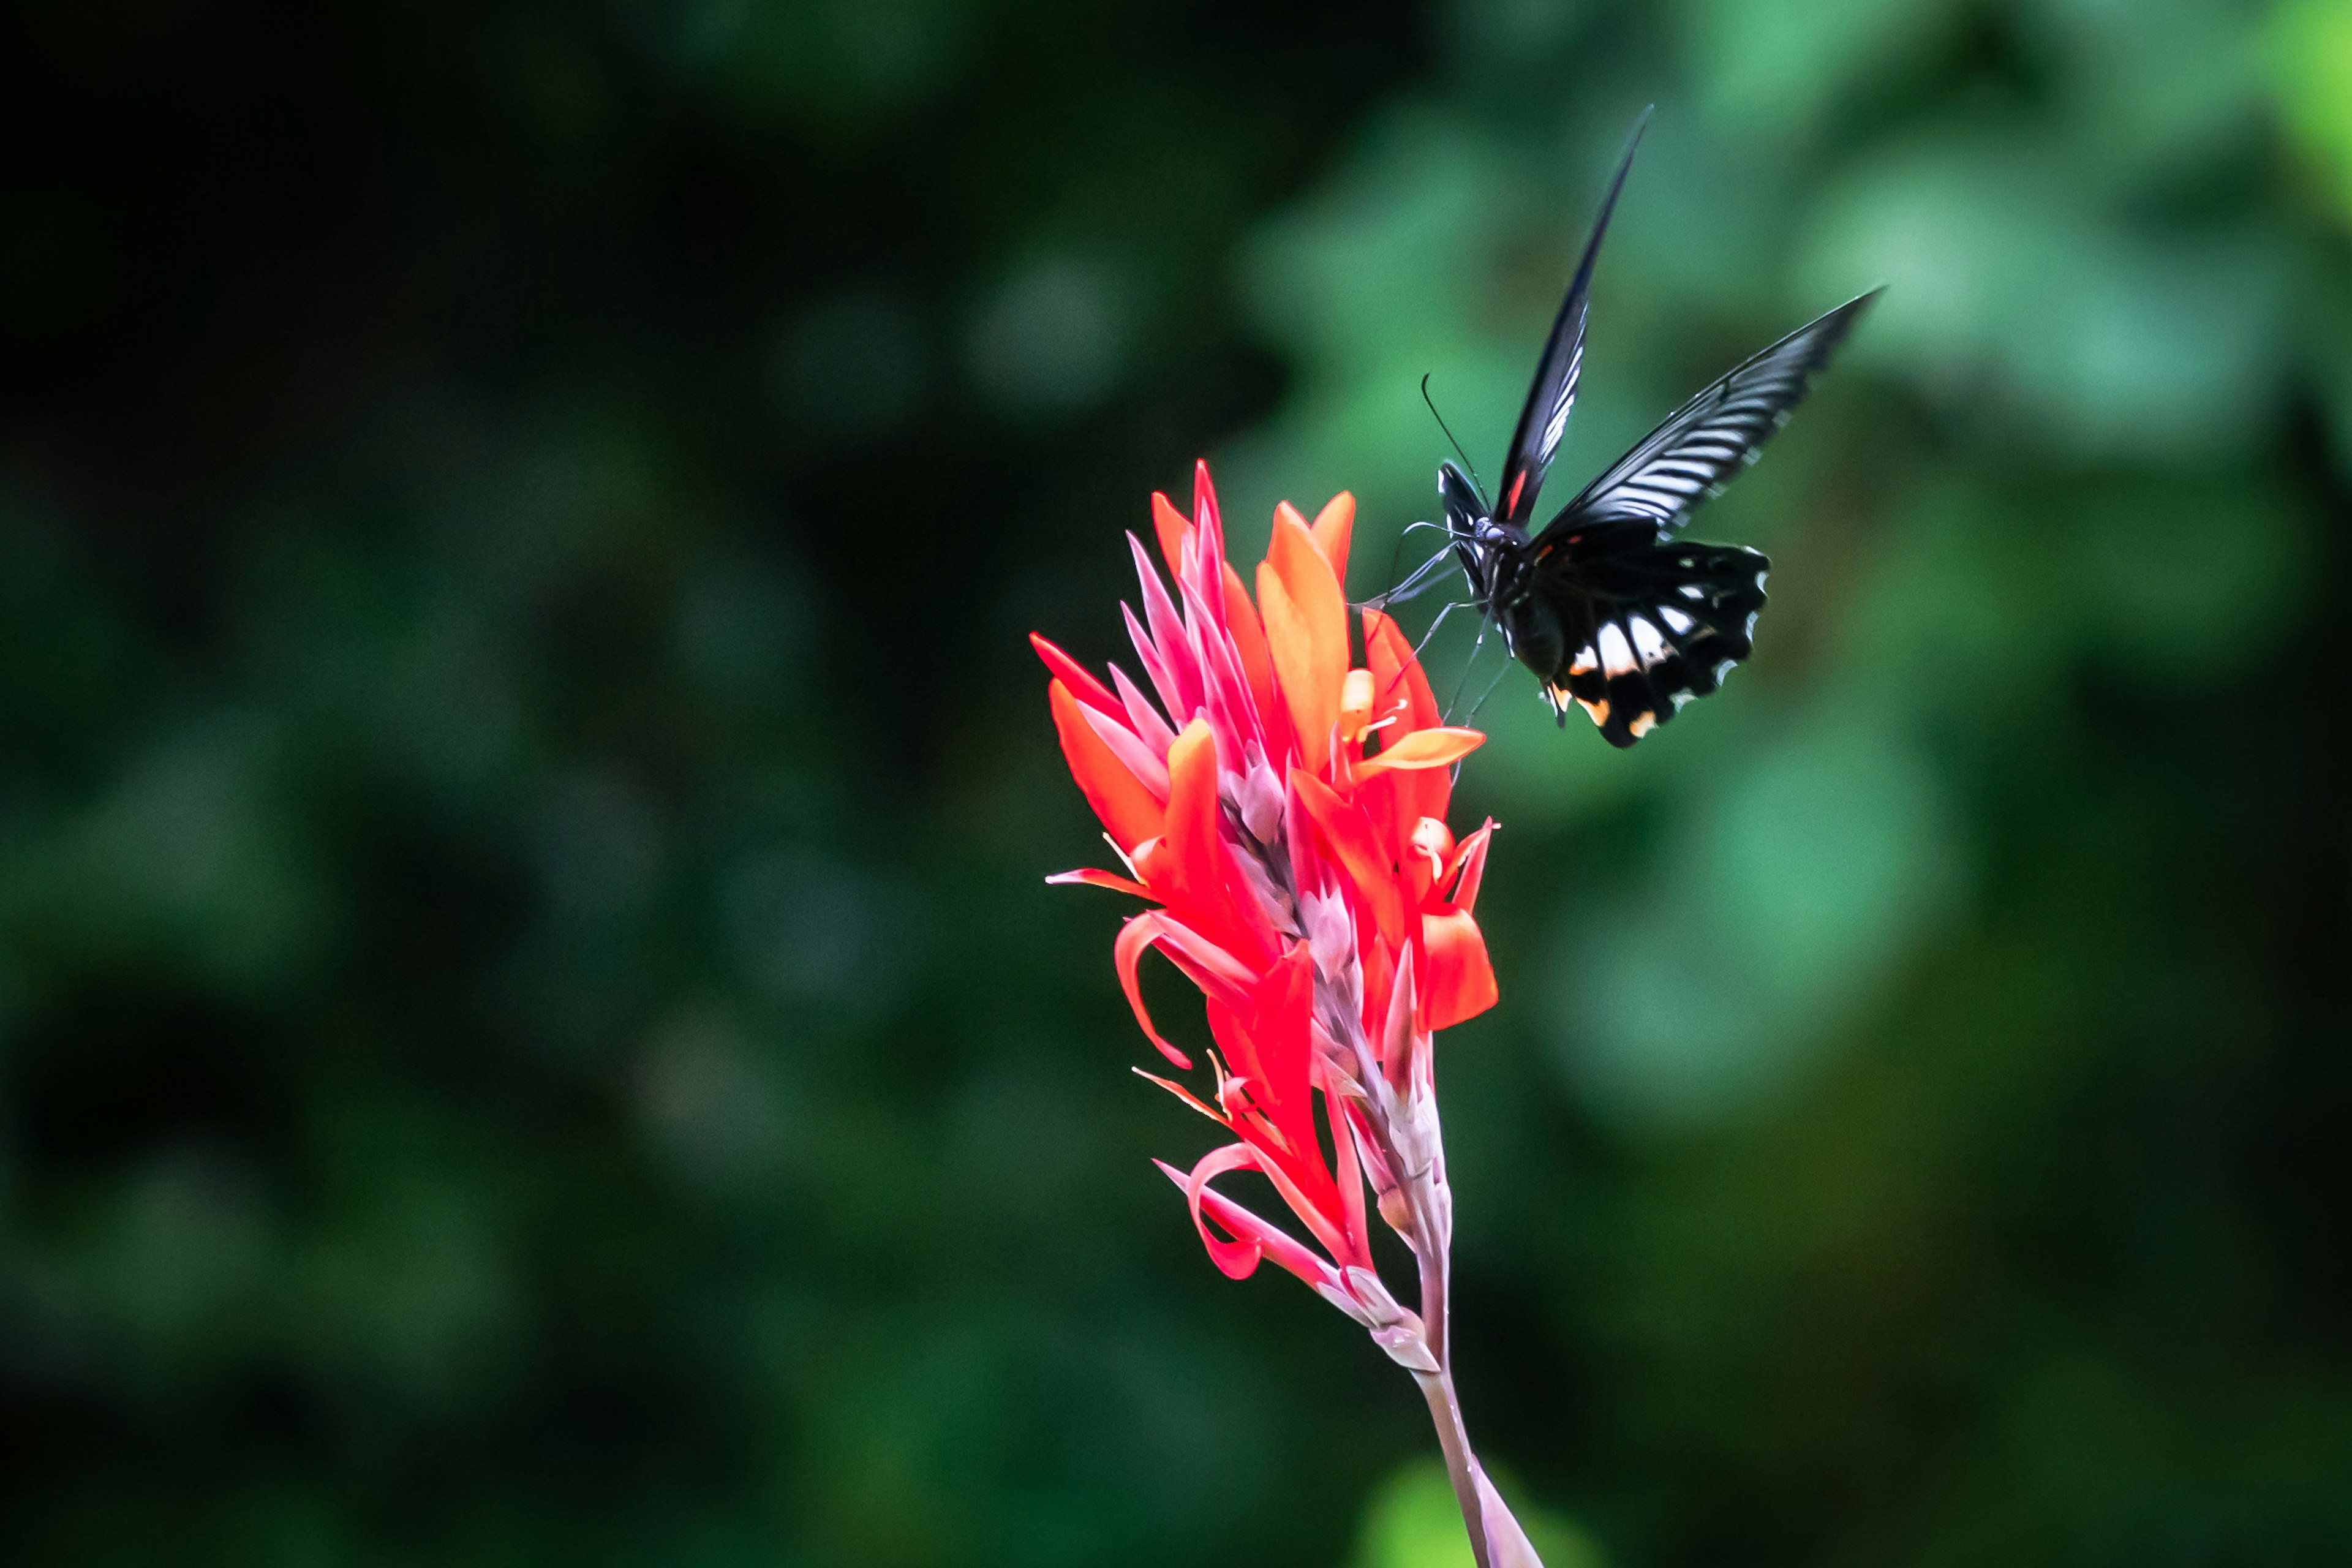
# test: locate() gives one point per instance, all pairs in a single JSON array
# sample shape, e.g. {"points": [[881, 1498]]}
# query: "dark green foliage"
{"points": [[529, 1026]]}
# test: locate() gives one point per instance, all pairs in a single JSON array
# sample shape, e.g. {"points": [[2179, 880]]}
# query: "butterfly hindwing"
{"points": [[1715, 435], [1649, 623]]}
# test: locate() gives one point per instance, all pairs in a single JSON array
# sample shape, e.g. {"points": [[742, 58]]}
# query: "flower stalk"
{"points": [[1275, 786]]}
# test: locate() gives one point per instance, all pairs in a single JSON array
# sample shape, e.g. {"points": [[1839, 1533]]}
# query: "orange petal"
{"points": [[1333, 527], [1347, 835], [1288, 649], [1314, 588], [1426, 748], [1120, 800], [1307, 637], [1193, 808], [1172, 528], [1461, 982]]}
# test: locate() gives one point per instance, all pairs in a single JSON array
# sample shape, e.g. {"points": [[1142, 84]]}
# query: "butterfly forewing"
{"points": [[1648, 626], [1713, 436], [1544, 418]]}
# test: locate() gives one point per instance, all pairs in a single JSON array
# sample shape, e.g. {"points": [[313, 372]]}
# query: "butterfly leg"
{"points": [[1476, 645]]}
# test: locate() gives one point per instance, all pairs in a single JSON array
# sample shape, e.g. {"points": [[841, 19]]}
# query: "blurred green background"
{"points": [[530, 1030]]}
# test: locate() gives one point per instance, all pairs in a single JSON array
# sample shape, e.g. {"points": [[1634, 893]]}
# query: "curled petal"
{"points": [[1134, 938], [1433, 839], [1216, 972], [1253, 1237], [1461, 982], [1122, 802], [1432, 748]]}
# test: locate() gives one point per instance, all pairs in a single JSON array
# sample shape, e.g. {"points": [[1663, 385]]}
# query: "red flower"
{"points": [[1284, 809], [1286, 812]]}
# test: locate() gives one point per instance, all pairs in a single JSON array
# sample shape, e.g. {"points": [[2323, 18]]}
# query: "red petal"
{"points": [[1120, 800], [1388, 654], [1198, 882], [1347, 835], [1272, 1045], [1073, 674], [1397, 676], [1127, 952], [1217, 972], [1204, 498], [1092, 878], [1468, 868]]}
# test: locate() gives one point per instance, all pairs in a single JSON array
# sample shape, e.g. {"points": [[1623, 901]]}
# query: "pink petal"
{"points": [[1254, 1238], [1124, 745]]}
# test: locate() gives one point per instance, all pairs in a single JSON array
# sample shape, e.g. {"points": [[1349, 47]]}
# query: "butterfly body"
{"points": [[1605, 604]]}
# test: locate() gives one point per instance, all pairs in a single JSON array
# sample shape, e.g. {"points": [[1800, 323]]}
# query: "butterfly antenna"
{"points": [[1413, 584], [1416, 583], [1442, 425]]}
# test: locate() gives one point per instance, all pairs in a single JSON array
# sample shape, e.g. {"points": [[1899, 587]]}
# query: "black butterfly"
{"points": [[1605, 605]]}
